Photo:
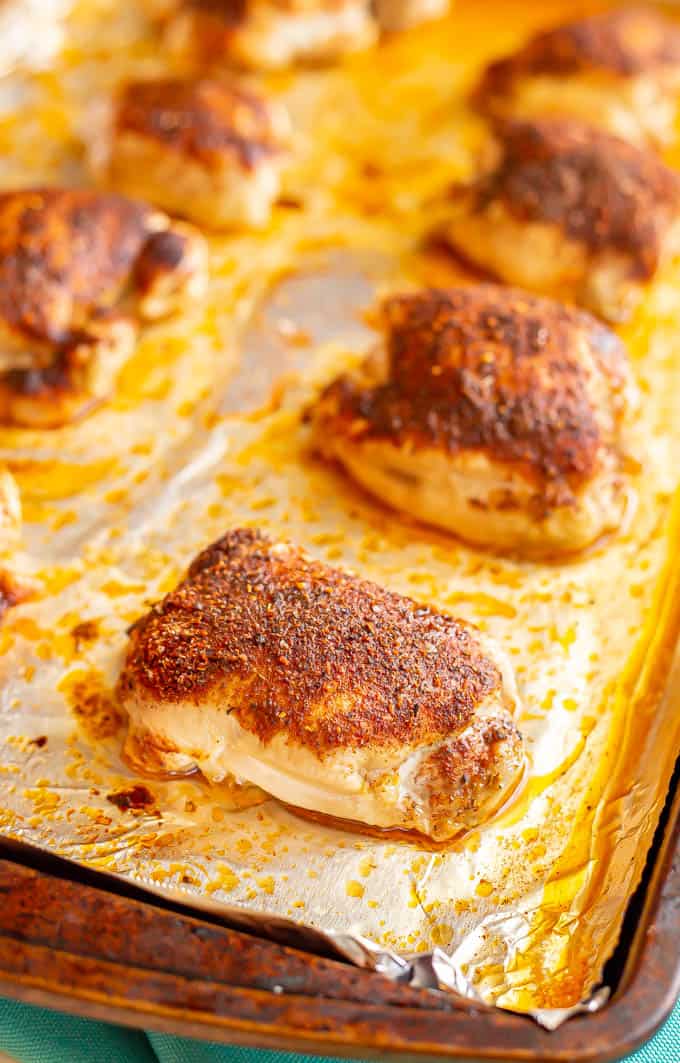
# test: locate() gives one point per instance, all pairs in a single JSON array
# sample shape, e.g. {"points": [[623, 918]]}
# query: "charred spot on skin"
{"points": [[162, 255], [54, 377], [137, 798], [40, 742]]}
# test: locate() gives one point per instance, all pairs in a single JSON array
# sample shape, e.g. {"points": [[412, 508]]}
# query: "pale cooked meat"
{"points": [[205, 149], [492, 413], [618, 69], [269, 34], [78, 268], [570, 211], [396, 15], [327, 691]]}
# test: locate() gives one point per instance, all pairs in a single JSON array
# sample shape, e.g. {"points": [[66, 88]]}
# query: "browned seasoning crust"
{"points": [[601, 191], [489, 369], [626, 42], [330, 661], [472, 760], [205, 119]]}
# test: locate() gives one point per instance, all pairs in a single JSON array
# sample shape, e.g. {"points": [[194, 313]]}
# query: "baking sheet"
{"points": [[206, 432]]}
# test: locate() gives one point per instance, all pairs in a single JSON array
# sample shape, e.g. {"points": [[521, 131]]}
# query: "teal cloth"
{"points": [[35, 1035]]}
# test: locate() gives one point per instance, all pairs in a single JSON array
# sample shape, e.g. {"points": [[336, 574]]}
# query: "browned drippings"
{"points": [[135, 799], [93, 704], [85, 631]]}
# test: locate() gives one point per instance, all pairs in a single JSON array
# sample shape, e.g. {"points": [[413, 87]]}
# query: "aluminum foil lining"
{"points": [[206, 433]]}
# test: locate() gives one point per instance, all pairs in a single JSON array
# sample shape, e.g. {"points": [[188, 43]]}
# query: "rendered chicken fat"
{"points": [[327, 691]]}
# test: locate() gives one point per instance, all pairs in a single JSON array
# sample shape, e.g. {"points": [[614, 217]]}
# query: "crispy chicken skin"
{"points": [[269, 34], [619, 69], [69, 259], [489, 412], [206, 149], [327, 691], [569, 211]]}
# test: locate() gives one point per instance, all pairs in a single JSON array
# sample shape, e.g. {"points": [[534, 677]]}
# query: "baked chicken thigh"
{"points": [[327, 691], [492, 413], [77, 269], [205, 149], [618, 69], [568, 210]]}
